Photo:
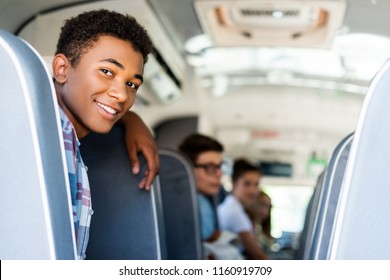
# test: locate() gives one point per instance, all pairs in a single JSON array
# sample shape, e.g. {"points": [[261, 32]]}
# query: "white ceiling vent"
{"points": [[290, 23]]}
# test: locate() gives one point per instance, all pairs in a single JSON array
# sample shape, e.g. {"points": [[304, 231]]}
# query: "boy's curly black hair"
{"points": [[81, 33]]}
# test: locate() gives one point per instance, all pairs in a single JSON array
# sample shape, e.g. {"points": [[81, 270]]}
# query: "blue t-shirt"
{"points": [[208, 220]]}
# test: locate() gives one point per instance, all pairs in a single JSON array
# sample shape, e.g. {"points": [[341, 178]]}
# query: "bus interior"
{"points": [[296, 86]]}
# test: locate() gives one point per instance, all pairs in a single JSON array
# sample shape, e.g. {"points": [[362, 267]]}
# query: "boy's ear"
{"points": [[60, 67]]}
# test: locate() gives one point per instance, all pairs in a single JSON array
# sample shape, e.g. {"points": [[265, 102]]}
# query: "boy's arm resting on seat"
{"points": [[139, 138]]}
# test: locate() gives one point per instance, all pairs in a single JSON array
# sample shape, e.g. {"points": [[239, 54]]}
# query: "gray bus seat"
{"points": [[180, 208], [36, 221], [305, 240], [328, 200], [125, 224], [363, 214]]}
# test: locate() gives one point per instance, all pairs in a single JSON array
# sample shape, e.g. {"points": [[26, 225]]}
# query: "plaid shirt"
{"points": [[79, 186]]}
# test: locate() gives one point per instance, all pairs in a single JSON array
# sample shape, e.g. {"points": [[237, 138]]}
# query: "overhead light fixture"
{"points": [[161, 84], [290, 23], [197, 44]]}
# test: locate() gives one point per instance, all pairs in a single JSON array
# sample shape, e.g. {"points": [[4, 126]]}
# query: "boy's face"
{"points": [[246, 188], [102, 87], [209, 182]]}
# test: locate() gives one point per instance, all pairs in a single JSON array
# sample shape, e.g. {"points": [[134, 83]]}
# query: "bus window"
{"points": [[288, 211]]}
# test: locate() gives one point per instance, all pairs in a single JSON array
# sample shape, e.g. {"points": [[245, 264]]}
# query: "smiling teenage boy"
{"points": [[97, 70]]}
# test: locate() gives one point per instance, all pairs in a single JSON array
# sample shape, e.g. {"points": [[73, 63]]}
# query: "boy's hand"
{"points": [[139, 138]]}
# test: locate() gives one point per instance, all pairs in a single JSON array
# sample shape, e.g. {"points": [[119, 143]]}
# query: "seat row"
{"points": [[36, 215], [349, 214]]}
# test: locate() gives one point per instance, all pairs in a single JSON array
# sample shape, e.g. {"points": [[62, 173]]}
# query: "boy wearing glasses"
{"points": [[205, 153]]}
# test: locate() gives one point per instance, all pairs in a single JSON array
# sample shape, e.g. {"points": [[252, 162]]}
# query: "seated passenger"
{"points": [[260, 215], [205, 153], [231, 213], [97, 70]]}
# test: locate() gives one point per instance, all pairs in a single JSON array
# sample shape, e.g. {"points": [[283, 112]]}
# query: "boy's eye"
{"points": [[132, 85], [107, 72]]}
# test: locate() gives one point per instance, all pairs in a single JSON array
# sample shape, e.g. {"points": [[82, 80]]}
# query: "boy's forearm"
{"points": [[139, 138]]}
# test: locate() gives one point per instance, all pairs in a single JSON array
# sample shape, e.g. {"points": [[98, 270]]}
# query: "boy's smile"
{"points": [[101, 87]]}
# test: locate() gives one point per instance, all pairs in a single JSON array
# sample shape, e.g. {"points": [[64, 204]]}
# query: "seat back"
{"points": [[180, 207], [328, 200], [363, 214], [305, 238], [36, 221], [125, 224]]}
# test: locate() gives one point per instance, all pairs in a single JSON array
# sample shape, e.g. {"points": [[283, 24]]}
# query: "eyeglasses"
{"points": [[210, 168]]}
